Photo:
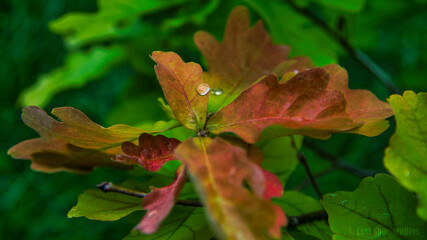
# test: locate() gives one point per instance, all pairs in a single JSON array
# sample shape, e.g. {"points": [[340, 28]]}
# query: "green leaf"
{"points": [[295, 204], [405, 157], [196, 13], [291, 28], [98, 205], [353, 6], [280, 157], [379, 208], [79, 69], [183, 223], [114, 19]]}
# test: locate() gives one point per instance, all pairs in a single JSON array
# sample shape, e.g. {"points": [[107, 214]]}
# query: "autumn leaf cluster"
{"points": [[252, 91]]}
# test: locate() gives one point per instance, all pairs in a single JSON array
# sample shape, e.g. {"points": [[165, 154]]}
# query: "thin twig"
{"points": [[304, 162], [338, 163], [317, 175], [361, 57], [294, 221], [110, 187]]}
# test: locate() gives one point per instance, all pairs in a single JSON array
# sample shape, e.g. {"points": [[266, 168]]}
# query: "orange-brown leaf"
{"points": [[306, 104], [220, 170], [243, 57], [75, 144], [151, 153], [160, 202], [362, 106], [180, 82], [301, 105]]}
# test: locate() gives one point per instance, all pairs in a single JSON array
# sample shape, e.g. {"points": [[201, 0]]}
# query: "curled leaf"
{"points": [[160, 202], [179, 81], [76, 143], [151, 153]]}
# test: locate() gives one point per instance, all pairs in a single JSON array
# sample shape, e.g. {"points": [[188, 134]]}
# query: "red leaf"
{"points": [[180, 82], [75, 144], [267, 185], [152, 153], [219, 171], [274, 187], [302, 105], [160, 202], [243, 57]]}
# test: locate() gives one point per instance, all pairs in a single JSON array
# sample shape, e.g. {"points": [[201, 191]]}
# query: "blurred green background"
{"points": [[94, 56]]}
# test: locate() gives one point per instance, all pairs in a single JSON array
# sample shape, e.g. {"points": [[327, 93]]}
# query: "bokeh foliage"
{"points": [[95, 57]]}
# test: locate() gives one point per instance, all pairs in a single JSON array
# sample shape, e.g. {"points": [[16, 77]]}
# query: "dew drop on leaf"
{"points": [[344, 202], [216, 91], [203, 89]]}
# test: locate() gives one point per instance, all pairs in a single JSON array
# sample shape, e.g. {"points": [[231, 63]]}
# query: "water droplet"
{"points": [[296, 71], [151, 213], [407, 173], [344, 202], [332, 195], [216, 91], [203, 89]]}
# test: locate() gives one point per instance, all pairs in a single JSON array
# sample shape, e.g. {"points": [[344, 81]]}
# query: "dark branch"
{"points": [[110, 187], [317, 175], [338, 163], [361, 57], [304, 162], [294, 221]]}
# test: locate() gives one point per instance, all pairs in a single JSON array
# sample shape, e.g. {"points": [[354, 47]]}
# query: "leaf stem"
{"points": [[361, 57], [111, 187], [303, 161]]}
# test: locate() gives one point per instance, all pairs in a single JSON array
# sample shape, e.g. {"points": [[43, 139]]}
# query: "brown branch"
{"points": [[110, 187], [361, 57], [294, 221], [304, 162]]}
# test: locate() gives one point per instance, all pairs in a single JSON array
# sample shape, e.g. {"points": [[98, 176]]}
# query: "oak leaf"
{"points": [[246, 54], [160, 202], [219, 171], [151, 153], [361, 105], [75, 144], [179, 81], [306, 104]]}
